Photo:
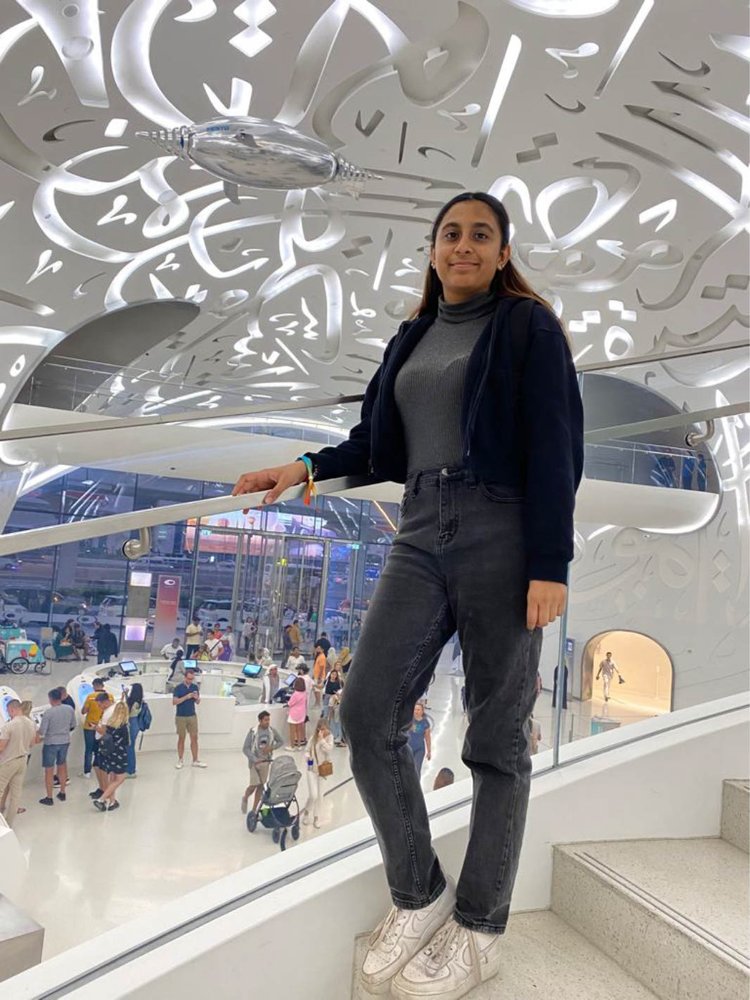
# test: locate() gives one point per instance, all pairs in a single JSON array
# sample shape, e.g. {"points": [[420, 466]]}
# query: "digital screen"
{"points": [[128, 667], [189, 664], [4, 713], [291, 679], [135, 633], [252, 670], [84, 690]]}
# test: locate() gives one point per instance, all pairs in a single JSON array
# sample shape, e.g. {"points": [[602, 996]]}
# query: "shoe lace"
{"points": [[443, 946], [392, 926]]}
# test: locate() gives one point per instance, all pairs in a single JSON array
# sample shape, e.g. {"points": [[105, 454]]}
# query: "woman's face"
{"points": [[418, 712], [467, 252]]}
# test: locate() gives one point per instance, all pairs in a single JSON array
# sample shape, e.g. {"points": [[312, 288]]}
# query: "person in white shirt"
{"points": [[607, 669], [17, 737], [271, 684], [304, 673], [169, 649], [318, 750], [296, 659], [214, 644]]}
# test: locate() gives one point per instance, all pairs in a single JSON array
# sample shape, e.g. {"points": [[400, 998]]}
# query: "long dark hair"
{"points": [[135, 695], [508, 281]]}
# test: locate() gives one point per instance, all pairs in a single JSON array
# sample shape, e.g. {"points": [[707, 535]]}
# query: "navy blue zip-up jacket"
{"points": [[522, 429]]}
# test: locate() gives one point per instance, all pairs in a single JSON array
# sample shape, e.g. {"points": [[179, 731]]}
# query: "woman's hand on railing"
{"points": [[276, 480]]}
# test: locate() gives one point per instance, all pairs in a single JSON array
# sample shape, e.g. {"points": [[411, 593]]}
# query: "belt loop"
{"points": [[416, 484]]}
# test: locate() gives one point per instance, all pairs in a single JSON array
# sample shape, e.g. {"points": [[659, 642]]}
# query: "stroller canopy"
{"points": [[282, 782]]}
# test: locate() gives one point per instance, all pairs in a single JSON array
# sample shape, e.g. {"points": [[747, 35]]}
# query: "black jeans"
{"points": [[89, 743], [457, 562]]}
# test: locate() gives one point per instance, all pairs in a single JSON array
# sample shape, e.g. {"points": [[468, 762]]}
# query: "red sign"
{"points": [[167, 606]]}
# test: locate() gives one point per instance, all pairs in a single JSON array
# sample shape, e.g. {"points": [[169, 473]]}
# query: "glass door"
{"points": [[300, 588], [280, 582], [216, 558], [345, 565]]}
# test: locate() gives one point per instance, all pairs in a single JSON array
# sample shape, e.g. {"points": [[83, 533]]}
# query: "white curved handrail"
{"points": [[112, 524], [60, 534]]}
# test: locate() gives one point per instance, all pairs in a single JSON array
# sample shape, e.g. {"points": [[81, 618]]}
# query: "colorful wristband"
{"points": [[310, 490]]}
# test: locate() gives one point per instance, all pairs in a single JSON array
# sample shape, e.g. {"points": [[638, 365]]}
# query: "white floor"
{"points": [[176, 831]]}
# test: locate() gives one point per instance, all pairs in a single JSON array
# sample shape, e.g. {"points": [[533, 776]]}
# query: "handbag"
{"points": [[621, 679], [325, 767]]}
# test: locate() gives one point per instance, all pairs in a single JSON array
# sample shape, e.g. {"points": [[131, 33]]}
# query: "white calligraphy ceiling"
{"points": [[614, 130]]}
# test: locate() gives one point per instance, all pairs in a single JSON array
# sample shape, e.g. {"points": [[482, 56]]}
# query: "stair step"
{"points": [[735, 813], [544, 959], [673, 913]]}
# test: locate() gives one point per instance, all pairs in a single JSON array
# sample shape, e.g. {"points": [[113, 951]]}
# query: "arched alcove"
{"points": [[644, 664]]}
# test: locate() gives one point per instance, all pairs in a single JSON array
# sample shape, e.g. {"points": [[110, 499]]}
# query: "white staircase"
{"points": [[635, 920], [735, 813]]}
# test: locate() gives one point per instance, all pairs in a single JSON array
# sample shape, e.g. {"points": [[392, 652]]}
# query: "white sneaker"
{"points": [[453, 963], [199, 763], [400, 937], [180, 764], [85, 774]]}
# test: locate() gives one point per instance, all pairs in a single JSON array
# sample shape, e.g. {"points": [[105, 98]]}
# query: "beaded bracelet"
{"points": [[311, 489]]}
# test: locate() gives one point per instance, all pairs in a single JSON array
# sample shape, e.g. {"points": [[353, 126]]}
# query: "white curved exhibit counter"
{"points": [[228, 707]]}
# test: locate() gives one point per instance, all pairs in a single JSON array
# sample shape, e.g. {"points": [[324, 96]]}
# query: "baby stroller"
{"points": [[278, 809]]}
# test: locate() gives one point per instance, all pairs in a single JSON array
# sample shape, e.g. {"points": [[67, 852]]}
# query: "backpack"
{"points": [[144, 717]]}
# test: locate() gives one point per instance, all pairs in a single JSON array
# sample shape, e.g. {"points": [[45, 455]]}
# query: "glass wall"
{"points": [[314, 565]]}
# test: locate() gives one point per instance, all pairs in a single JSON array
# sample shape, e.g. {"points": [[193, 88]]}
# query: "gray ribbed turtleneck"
{"points": [[430, 385]]}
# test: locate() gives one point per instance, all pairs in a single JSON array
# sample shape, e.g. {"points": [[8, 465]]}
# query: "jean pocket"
{"points": [[499, 494], [406, 500]]}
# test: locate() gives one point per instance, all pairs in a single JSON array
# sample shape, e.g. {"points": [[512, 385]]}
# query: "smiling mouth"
{"points": [[464, 263]]}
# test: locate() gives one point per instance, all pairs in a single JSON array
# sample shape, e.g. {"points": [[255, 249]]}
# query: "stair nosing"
{"points": [[659, 906]]}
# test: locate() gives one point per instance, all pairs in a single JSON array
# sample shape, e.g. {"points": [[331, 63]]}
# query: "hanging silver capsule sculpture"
{"points": [[259, 153]]}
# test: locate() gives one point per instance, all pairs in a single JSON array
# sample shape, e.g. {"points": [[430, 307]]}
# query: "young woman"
{"points": [[134, 703], [420, 737], [113, 757], [475, 408], [297, 706], [331, 687], [319, 749]]}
